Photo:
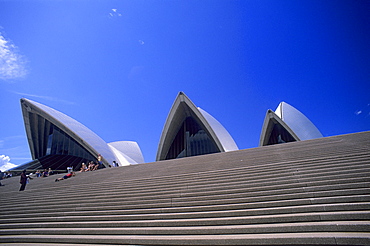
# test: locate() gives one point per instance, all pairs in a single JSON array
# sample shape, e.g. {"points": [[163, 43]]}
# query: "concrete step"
{"points": [[221, 196], [307, 238], [172, 193], [199, 185], [309, 192], [196, 177], [161, 221], [177, 214], [166, 207], [188, 174], [317, 226], [296, 180], [250, 169], [238, 175], [176, 196], [51, 244]]}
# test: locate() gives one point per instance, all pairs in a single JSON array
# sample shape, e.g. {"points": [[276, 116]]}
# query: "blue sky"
{"points": [[117, 66]]}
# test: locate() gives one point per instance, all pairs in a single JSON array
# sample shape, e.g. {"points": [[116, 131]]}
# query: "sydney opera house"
{"points": [[57, 141], [201, 190]]}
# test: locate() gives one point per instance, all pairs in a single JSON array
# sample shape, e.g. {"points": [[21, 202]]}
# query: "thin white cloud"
{"points": [[114, 13], [364, 111], [49, 98], [5, 163], [12, 64]]}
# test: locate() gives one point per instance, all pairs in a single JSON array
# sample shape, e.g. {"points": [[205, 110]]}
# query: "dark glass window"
{"points": [[49, 144], [191, 140], [280, 135], [59, 143], [53, 147]]}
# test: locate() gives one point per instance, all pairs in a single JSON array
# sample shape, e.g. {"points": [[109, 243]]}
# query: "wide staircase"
{"points": [[314, 192]]}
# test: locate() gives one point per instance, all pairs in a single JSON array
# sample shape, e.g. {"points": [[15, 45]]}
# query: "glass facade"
{"points": [[58, 141], [191, 131], [62, 144], [279, 135], [191, 140], [54, 148]]}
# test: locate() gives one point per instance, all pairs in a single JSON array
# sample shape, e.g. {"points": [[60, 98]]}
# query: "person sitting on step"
{"points": [[84, 168]]}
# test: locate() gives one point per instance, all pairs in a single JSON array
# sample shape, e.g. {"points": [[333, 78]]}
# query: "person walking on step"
{"points": [[23, 181], [1, 177]]}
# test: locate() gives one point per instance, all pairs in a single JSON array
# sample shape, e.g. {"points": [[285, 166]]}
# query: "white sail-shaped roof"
{"points": [[287, 124], [127, 152], [83, 135], [298, 122], [227, 142], [183, 107]]}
